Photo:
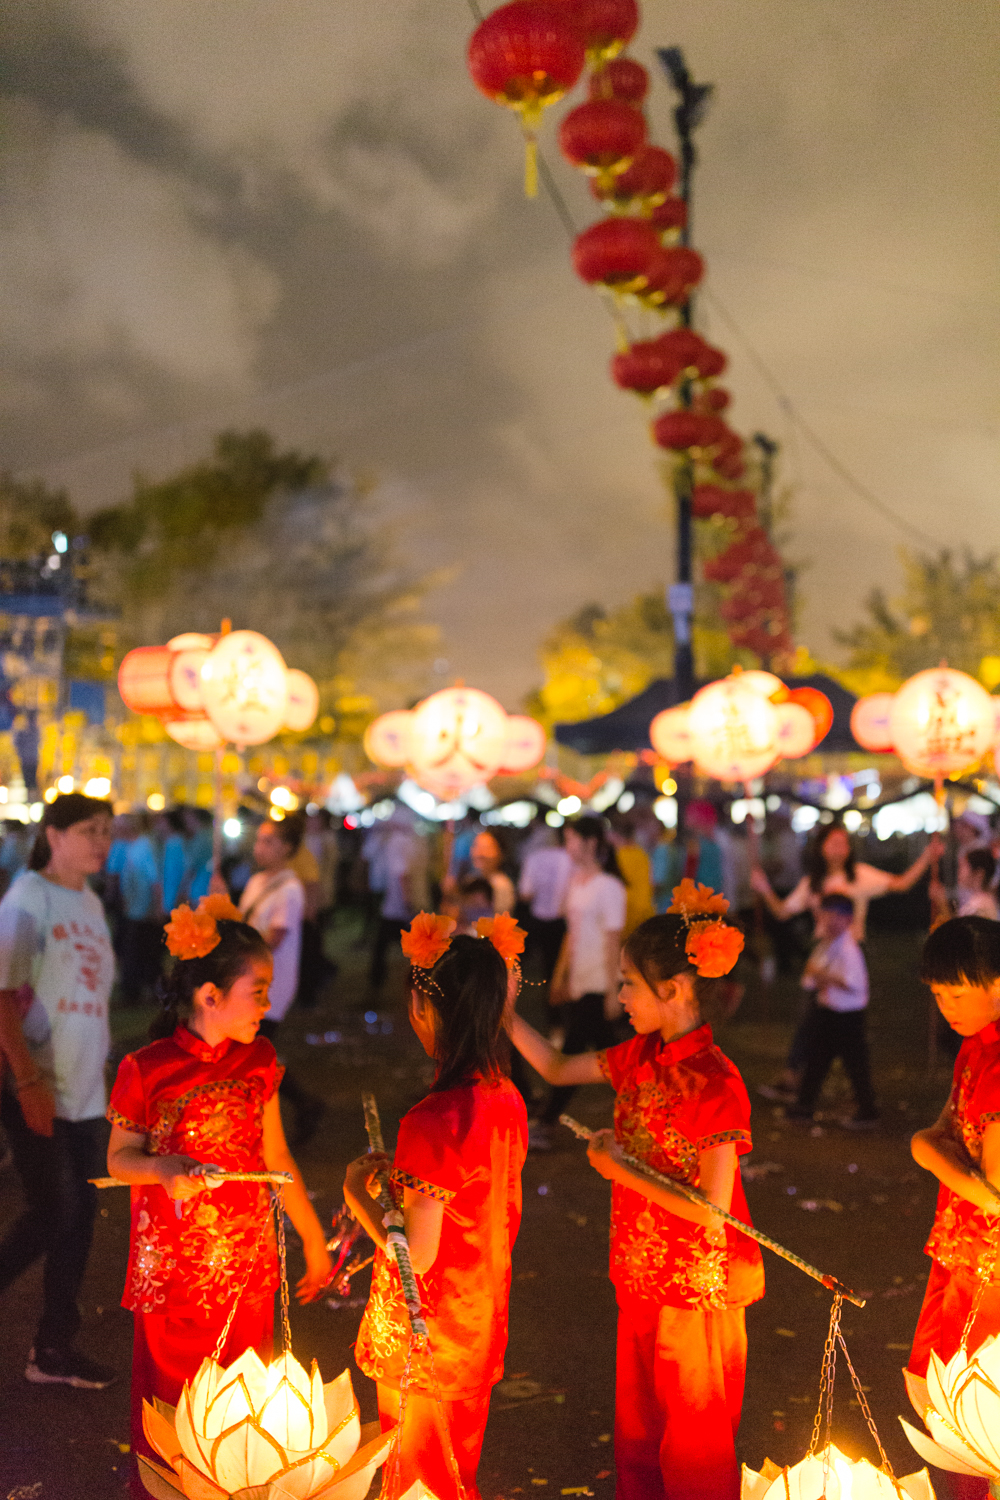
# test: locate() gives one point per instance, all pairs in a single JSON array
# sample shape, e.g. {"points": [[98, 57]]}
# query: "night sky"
{"points": [[302, 215]]}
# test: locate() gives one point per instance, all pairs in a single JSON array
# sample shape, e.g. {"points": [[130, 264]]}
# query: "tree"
{"points": [[949, 610]]}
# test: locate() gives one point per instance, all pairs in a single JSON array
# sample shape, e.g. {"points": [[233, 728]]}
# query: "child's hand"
{"points": [[361, 1177], [604, 1153], [319, 1268], [180, 1176]]}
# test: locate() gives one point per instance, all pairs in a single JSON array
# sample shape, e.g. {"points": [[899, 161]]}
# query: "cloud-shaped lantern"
{"points": [[270, 1430], [739, 727], [939, 723], [208, 689], [455, 739]]}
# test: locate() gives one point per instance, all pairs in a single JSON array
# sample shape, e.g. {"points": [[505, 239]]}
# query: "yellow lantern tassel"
{"points": [[530, 167]]}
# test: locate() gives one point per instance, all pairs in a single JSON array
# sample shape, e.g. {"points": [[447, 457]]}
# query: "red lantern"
{"points": [[712, 363], [621, 78], [648, 179], [685, 346], [616, 253], [526, 55], [729, 466], [737, 505], [605, 25], [676, 271], [144, 681], [645, 367], [818, 705], [669, 215], [601, 137], [681, 430], [714, 399]]}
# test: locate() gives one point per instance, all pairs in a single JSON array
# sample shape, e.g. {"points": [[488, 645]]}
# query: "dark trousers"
{"points": [[386, 934], [58, 1217], [840, 1034], [586, 1031], [545, 939], [141, 950], [289, 1088]]}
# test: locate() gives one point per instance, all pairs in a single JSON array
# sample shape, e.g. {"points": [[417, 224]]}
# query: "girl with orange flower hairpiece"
{"points": [[457, 1175], [203, 1096], [682, 1278]]}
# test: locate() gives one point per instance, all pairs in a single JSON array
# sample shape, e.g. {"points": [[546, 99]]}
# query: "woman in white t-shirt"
{"points": [[585, 982], [56, 973]]}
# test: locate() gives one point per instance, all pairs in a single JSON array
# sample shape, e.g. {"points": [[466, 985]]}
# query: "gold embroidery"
{"points": [[123, 1124], [429, 1190]]}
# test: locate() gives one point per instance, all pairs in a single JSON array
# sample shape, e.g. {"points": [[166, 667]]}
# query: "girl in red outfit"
{"points": [[457, 1168], [961, 964], [204, 1095], [682, 1278]]}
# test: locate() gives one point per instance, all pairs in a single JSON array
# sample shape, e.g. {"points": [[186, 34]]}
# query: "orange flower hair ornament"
{"points": [[505, 935], [193, 934], [427, 939], [712, 945]]}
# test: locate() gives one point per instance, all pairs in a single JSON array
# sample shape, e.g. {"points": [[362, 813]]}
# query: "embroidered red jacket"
{"points": [[962, 1237], [191, 1099], [466, 1147], [676, 1099]]}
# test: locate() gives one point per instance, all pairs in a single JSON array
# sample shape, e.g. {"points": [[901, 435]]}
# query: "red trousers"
{"points": [[428, 1427], [946, 1305], [678, 1394], [167, 1351]]}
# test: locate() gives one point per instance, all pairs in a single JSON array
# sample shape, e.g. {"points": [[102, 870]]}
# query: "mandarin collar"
{"points": [[199, 1048], [989, 1034], [685, 1046]]}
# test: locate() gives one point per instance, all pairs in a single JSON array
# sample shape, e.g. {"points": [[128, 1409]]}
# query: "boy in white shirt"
{"points": [[837, 972]]}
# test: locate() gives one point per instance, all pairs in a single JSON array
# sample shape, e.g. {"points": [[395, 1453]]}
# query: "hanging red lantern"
{"points": [[676, 272], [526, 55], [669, 216], [616, 253], [681, 430], [710, 500], [601, 137], [686, 346], [645, 367], [712, 363], [621, 78], [729, 466], [647, 180], [713, 399], [605, 25], [144, 681]]}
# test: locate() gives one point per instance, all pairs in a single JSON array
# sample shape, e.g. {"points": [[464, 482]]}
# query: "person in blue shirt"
{"points": [[140, 938], [173, 856], [694, 854]]}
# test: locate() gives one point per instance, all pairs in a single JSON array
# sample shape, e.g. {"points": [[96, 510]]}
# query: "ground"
{"points": [[852, 1205]]}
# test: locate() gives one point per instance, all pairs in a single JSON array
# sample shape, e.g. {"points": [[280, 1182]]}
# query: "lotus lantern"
{"points": [[267, 1431], [959, 1403], [844, 1480]]}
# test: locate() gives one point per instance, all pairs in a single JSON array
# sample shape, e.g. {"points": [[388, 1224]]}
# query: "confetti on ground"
{"points": [[604, 1474], [753, 1170], [813, 1205], [786, 1333], [604, 1437], [579, 1490], [903, 1348], [539, 1481]]}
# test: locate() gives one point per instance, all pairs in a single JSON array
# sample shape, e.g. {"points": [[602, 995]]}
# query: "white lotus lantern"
{"points": [[455, 739], [270, 1430], [831, 1474], [942, 722], [959, 1404]]}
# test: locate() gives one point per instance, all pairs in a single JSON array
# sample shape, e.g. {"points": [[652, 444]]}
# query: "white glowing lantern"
{"points": [[796, 730], [838, 1478], [525, 744], [271, 1429], [670, 735], [303, 700], [871, 722], [959, 1403], [244, 685], [942, 722], [457, 740], [733, 731], [194, 733], [387, 738], [764, 683], [192, 640]]}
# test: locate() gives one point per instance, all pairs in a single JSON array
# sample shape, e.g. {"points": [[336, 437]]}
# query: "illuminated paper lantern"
{"points": [[303, 700], [194, 732], [457, 738], [796, 730], [733, 731], [942, 722], [244, 685], [185, 678], [144, 680], [270, 1428], [871, 722], [838, 1478], [525, 744], [959, 1404], [192, 640], [820, 708], [764, 683], [670, 735], [387, 739]]}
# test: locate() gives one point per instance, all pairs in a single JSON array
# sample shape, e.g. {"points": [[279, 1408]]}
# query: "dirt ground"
{"points": [[853, 1205]]}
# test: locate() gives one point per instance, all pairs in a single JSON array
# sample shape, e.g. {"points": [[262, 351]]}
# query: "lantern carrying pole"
{"points": [[692, 1194], [395, 1225]]}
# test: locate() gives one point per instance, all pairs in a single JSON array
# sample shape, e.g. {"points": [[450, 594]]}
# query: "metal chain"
{"points": [[221, 1344], [826, 1375], [983, 1282], [866, 1413], [278, 1204]]}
